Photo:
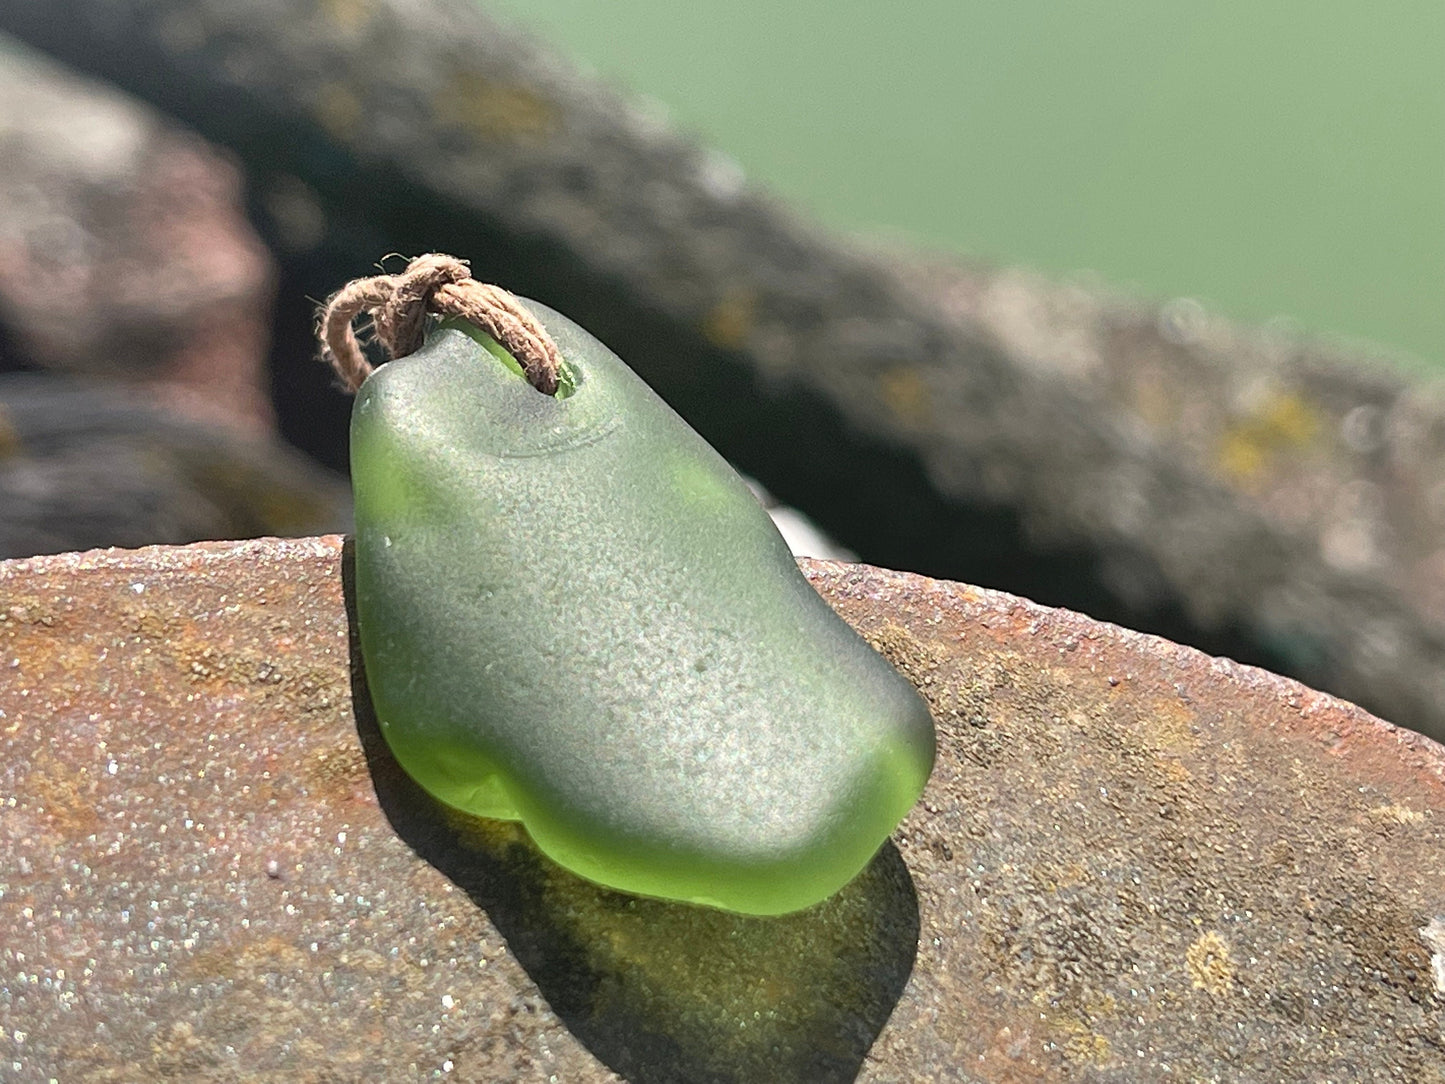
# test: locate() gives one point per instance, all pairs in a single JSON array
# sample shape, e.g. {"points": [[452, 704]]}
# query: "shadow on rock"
{"points": [[664, 991]]}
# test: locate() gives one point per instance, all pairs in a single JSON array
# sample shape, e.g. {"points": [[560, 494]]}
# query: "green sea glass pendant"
{"points": [[574, 614]]}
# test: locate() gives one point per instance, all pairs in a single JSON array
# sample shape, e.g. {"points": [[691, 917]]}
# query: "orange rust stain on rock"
{"points": [[1172, 773], [44, 647], [962, 701], [63, 793]]}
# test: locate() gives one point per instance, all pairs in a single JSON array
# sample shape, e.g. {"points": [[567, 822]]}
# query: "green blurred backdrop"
{"points": [[1269, 158]]}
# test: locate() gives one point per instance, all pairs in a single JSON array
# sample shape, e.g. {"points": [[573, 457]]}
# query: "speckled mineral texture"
{"points": [[1133, 862]]}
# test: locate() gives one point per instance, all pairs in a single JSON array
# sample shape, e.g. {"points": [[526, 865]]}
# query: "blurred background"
{"points": [[1122, 307], [1277, 161]]}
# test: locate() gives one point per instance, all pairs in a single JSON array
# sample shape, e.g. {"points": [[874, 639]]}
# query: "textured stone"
{"points": [[1132, 861], [127, 253], [88, 463]]}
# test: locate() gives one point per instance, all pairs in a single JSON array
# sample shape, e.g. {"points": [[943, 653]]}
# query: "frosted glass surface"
{"points": [[575, 614]]}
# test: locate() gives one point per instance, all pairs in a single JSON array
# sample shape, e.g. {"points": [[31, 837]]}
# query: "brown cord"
{"points": [[398, 307]]}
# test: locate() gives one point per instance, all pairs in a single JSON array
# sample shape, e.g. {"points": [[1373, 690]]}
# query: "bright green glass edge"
{"points": [[468, 780], [566, 381]]}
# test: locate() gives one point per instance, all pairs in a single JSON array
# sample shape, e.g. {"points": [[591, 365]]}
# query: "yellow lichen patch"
{"points": [[1283, 424], [10, 443], [347, 15], [1289, 421], [905, 394], [172, 1046], [493, 110], [252, 962], [144, 623], [198, 662], [1210, 967], [1082, 1045], [208, 665], [1395, 813], [1241, 458], [1072, 1033], [336, 772], [913, 658], [728, 322], [1053, 877], [338, 111], [1169, 727], [29, 610]]}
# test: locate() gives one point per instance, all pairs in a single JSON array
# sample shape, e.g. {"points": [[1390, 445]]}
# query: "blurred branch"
{"points": [[1243, 491]]}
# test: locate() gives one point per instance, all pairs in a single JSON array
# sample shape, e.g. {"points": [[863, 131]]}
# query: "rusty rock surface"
{"points": [[1133, 862]]}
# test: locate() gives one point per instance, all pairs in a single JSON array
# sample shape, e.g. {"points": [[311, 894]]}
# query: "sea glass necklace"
{"points": [[573, 613]]}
